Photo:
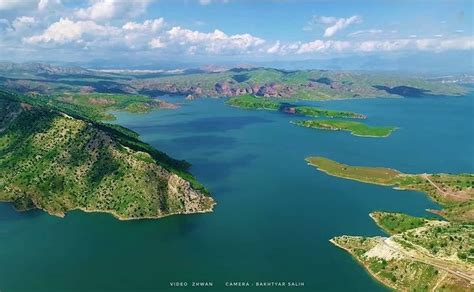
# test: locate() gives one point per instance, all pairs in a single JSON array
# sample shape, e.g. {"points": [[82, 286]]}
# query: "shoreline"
{"points": [[372, 274], [349, 178], [110, 212], [344, 130]]}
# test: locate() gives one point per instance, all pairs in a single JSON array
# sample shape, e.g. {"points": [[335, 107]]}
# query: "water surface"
{"points": [[275, 214]]}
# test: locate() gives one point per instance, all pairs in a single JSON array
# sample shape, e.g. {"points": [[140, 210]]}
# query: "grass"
{"points": [[378, 175], [249, 101], [454, 192], [253, 102], [356, 128], [310, 111], [395, 223]]}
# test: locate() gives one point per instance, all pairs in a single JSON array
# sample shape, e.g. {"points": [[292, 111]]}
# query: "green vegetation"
{"points": [[394, 223], [378, 175], [310, 111], [298, 84], [252, 102], [455, 192], [57, 160], [93, 106], [264, 82], [97, 105], [431, 255], [249, 101], [356, 128]]}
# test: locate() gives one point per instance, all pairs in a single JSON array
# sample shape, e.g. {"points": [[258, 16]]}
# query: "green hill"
{"points": [[59, 161]]}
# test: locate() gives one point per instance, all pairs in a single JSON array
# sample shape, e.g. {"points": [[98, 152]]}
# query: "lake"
{"points": [[275, 214]]}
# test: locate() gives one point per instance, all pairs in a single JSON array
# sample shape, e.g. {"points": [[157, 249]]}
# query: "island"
{"points": [[420, 254], [57, 158], [311, 111], [355, 128], [455, 192], [249, 101]]}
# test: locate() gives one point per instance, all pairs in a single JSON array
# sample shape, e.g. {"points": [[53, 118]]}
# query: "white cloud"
{"points": [[110, 9], [66, 30], [439, 45], [274, 49], [30, 5], [152, 25], [214, 42], [43, 5], [365, 32], [333, 24], [17, 4], [340, 24], [323, 46], [156, 43], [23, 22], [372, 46], [377, 46]]}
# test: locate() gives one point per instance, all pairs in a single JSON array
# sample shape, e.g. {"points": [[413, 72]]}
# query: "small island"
{"points": [[356, 128], [455, 192], [315, 112], [420, 254], [249, 101]]}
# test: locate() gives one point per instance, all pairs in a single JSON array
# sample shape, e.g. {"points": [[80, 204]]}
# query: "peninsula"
{"points": [[58, 159], [419, 253], [455, 192]]}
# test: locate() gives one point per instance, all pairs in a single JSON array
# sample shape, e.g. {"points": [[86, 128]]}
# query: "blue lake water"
{"points": [[275, 214]]}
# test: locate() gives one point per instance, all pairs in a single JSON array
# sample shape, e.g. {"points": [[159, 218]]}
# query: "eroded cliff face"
{"points": [[191, 201], [224, 88]]}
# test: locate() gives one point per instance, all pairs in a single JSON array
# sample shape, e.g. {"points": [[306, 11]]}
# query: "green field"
{"points": [[356, 128]]}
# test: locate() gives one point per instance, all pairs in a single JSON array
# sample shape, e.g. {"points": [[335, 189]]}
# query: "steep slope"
{"points": [[55, 162]]}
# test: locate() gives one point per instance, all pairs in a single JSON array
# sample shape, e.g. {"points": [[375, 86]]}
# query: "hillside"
{"points": [[419, 255], [264, 82], [58, 161]]}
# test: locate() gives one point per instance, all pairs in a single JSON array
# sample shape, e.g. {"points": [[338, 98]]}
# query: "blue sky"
{"points": [[227, 30]]}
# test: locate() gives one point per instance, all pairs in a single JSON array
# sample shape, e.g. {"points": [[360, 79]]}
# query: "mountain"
{"points": [[41, 68], [58, 162]]}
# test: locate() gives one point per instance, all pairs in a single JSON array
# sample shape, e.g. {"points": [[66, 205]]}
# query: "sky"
{"points": [[233, 31]]}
